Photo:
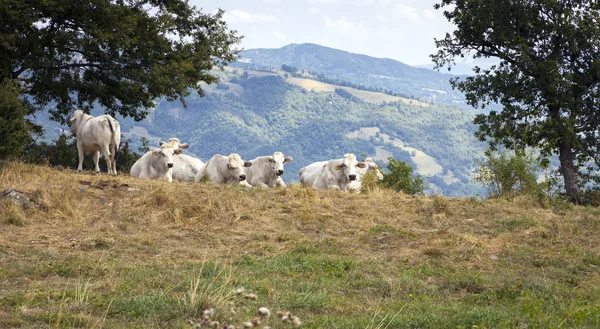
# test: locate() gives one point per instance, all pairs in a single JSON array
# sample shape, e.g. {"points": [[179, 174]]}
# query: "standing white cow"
{"points": [[266, 171], [224, 169], [370, 167], [95, 135], [156, 164], [334, 174], [185, 167]]}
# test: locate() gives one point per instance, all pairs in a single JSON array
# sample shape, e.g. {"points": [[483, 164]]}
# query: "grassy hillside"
{"points": [[129, 253], [357, 68]]}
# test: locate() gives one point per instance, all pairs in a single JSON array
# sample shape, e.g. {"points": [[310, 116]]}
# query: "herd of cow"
{"points": [[102, 134]]}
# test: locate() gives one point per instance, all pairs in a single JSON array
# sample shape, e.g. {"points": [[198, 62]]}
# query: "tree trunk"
{"points": [[567, 167]]}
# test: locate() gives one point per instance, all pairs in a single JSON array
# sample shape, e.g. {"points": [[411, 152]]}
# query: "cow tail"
{"points": [[114, 141]]}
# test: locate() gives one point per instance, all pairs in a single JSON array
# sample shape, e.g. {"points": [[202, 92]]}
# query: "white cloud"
{"points": [[346, 27], [240, 16], [410, 13], [323, 2], [315, 10], [278, 35], [382, 19]]}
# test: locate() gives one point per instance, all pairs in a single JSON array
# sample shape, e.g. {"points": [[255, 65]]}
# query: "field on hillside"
{"points": [[118, 252]]}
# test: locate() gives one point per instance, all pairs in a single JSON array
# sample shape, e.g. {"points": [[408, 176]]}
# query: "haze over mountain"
{"points": [[337, 108]]}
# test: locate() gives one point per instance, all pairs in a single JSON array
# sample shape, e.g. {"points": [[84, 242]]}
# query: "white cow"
{"points": [[334, 174], [266, 171], [370, 167], [95, 135], [185, 167], [156, 164], [224, 169]]}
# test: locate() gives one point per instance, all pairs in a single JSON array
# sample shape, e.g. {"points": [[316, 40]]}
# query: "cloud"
{"points": [[278, 35], [274, 2], [411, 14], [315, 10], [322, 2], [345, 26], [382, 19], [240, 16]]}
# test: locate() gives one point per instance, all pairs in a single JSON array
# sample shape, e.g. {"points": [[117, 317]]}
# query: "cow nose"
{"points": [[170, 165], [352, 177], [242, 177], [279, 172]]}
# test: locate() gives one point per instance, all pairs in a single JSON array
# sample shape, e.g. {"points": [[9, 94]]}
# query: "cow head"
{"points": [[235, 165], [276, 162], [373, 167], [75, 121], [348, 166], [166, 153], [175, 142]]}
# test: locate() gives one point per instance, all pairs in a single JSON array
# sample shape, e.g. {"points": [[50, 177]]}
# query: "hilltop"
{"points": [[119, 252]]}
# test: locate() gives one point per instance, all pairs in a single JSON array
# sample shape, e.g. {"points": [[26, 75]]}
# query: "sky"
{"points": [[399, 29]]}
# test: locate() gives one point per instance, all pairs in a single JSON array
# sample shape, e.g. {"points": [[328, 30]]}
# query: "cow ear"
{"points": [[161, 143], [338, 167], [184, 145], [177, 151], [361, 165], [247, 163], [268, 159], [288, 159], [155, 152]]}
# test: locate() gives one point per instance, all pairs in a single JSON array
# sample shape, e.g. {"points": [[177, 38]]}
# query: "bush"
{"points": [[399, 178], [509, 174]]}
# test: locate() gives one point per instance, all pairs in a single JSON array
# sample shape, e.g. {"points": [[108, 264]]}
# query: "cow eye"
{"points": [[229, 167]]}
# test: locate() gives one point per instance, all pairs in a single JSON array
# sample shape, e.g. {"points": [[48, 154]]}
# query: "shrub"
{"points": [[399, 177], [508, 174]]}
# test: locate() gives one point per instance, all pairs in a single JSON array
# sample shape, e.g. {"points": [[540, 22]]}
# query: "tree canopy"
{"points": [[120, 54], [547, 79]]}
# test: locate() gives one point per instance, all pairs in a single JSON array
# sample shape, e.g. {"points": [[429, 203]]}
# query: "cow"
{"points": [[334, 174], [224, 169], [95, 135], [156, 164], [370, 167], [185, 167], [266, 171]]}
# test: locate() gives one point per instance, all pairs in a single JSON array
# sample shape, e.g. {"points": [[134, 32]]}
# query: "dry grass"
{"points": [[110, 246]]}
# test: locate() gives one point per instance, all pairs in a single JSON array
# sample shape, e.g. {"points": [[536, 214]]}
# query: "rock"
{"points": [[22, 200]]}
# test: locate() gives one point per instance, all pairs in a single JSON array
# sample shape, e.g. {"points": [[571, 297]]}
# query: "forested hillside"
{"points": [[359, 69], [257, 113]]}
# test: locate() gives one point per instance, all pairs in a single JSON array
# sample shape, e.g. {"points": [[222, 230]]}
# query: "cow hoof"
{"points": [[79, 172], [97, 173]]}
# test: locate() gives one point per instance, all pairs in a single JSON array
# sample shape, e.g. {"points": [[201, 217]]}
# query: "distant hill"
{"points": [[258, 111], [361, 69]]}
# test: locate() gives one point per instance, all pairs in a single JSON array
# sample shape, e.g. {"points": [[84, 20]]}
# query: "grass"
{"points": [[154, 255]]}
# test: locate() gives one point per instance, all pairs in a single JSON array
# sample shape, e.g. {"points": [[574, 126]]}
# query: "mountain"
{"points": [[257, 111], [359, 69]]}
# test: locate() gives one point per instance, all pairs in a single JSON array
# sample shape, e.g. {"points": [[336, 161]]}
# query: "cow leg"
{"points": [[279, 182], [245, 183], [96, 159], [107, 156], [81, 155]]}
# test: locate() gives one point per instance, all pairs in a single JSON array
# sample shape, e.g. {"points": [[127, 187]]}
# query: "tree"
{"points": [[399, 178], [14, 128], [119, 54], [508, 174], [547, 79]]}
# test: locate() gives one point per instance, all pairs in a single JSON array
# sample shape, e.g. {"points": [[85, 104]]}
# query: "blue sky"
{"points": [[402, 29]]}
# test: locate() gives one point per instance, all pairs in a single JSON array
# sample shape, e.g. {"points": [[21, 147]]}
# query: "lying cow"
{"points": [[370, 167], [334, 174], [95, 135], [185, 167], [224, 169], [156, 164], [266, 171]]}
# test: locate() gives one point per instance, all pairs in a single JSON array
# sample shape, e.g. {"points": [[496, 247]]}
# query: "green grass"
{"points": [[376, 260]]}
